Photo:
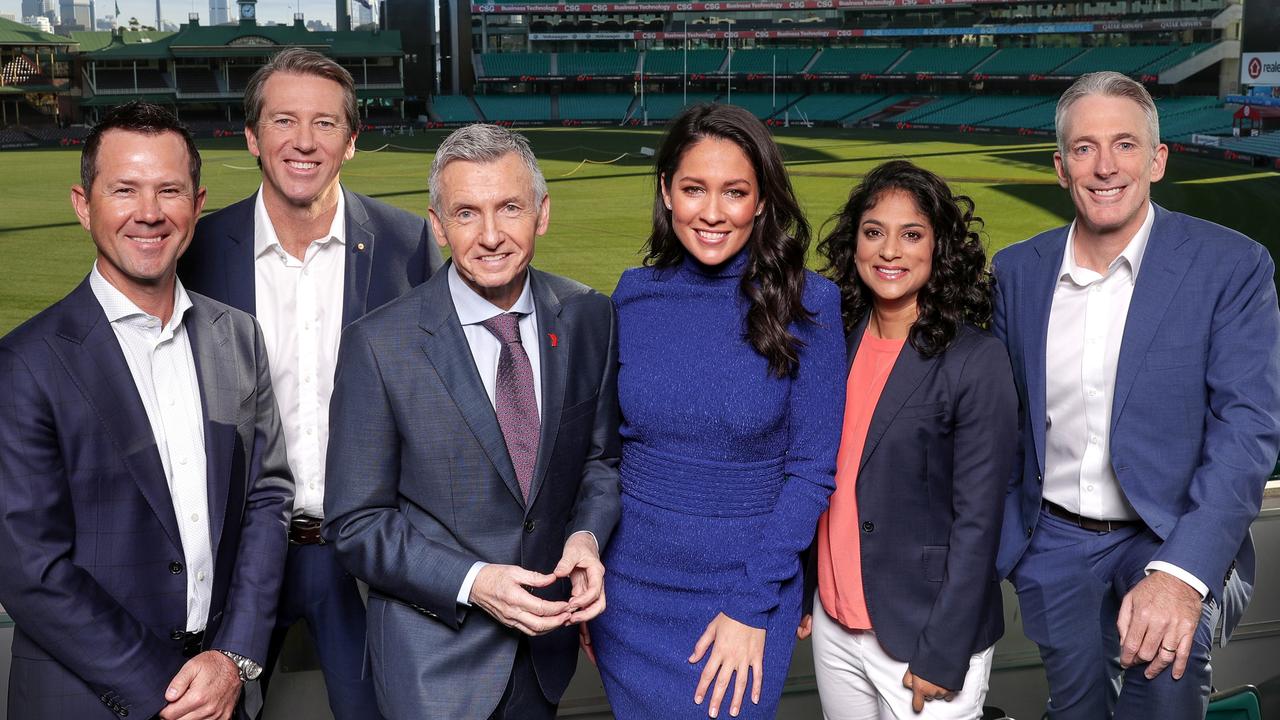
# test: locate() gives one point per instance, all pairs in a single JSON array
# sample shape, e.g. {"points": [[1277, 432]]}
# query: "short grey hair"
{"points": [[301, 61], [1107, 84], [483, 143]]}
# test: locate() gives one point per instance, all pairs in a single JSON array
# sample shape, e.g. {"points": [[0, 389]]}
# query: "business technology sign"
{"points": [[1260, 68]]}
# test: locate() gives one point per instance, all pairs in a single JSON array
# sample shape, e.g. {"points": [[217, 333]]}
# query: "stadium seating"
{"points": [[12, 136], [597, 63], [789, 61], [1182, 54], [671, 62], [514, 64], [1128, 60], [1026, 61], [1035, 117], [196, 80], [981, 109], [845, 60], [941, 60], [1210, 121], [921, 113], [761, 104], [666, 106], [454, 108], [116, 79], [595, 106], [515, 108], [1266, 144], [829, 107], [238, 76], [376, 75]]}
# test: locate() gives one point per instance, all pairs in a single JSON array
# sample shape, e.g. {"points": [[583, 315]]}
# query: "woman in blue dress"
{"points": [[731, 385]]}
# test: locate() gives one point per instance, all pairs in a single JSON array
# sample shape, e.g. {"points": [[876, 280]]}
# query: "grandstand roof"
{"points": [[249, 40], [15, 33], [91, 40]]}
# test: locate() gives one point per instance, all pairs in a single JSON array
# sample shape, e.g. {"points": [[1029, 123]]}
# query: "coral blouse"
{"points": [[839, 544]]}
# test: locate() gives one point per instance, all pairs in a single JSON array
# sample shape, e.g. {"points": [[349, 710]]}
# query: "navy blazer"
{"points": [[421, 487], [1195, 421], [90, 555], [931, 484], [388, 251]]}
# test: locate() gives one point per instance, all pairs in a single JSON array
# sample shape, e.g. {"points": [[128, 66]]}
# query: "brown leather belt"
{"points": [[1102, 526], [305, 530]]}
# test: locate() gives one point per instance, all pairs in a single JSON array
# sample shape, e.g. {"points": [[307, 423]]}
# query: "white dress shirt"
{"points": [[298, 303], [164, 371], [1086, 327], [472, 310]]}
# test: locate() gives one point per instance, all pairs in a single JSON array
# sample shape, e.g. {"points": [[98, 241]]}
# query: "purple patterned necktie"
{"points": [[514, 399]]}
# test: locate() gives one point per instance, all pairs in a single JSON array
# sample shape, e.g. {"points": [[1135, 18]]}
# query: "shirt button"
{"points": [[307, 379], [1093, 439], [312, 486], [200, 576], [1093, 393], [182, 460], [1089, 488], [172, 401], [308, 431], [195, 517]]}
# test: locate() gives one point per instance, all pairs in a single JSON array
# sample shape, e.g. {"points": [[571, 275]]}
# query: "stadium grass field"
{"points": [[600, 209]]}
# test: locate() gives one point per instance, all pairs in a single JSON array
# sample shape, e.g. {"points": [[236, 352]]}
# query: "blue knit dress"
{"points": [[725, 470]]}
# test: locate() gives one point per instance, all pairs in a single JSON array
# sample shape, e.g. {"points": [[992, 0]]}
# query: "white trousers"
{"points": [[858, 680]]}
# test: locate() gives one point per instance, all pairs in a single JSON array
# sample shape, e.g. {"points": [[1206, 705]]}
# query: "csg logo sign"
{"points": [[1255, 67]]}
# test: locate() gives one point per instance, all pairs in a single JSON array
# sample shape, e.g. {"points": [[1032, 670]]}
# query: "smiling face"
{"points": [[140, 211], [714, 200], [301, 140], [1109, 166], [894, 254], [489, 217]]}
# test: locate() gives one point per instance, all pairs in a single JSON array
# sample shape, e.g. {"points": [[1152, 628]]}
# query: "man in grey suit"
{"points": [[474, 452], [142, 465]]}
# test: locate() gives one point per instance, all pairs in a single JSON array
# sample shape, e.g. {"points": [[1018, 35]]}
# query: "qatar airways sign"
{"points": [[1260, 68]]}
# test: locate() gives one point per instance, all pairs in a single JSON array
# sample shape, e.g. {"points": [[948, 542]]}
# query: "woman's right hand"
{"points": [[806, 627]]}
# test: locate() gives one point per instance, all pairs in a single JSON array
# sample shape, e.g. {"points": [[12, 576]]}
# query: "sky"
{"points": [[176, 10]]}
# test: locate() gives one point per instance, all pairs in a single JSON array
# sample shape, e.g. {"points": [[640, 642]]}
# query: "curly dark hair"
{"points": [[959, 287], [773, 280]]}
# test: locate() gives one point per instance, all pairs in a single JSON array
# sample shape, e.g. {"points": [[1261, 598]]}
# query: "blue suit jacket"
{"points": [[1195, 420], [388, 251], [422, 487], [90, 555], [931, 484]]}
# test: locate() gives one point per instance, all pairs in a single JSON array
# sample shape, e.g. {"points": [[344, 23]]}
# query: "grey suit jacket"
{"points": [[421, 487], [90, 553]]}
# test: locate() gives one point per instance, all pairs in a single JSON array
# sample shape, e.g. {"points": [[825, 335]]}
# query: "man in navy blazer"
{"points": [[1146, 350], [307, 257], [474, 461], [144, 493]]}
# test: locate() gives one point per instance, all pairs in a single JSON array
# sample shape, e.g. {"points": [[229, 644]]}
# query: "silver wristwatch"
{"points": [[249, 670]]}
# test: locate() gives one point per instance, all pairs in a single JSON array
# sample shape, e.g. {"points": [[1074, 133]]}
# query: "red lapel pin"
{"points": [[554, 340]]}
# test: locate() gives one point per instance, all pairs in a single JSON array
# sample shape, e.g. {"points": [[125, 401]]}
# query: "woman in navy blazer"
{"points": [[909, 604]]}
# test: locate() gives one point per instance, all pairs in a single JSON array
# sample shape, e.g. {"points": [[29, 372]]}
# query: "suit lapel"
{"points": [[1164, 263], [209, 331], [908, 372], [238, 273], [447, 350], [1039, 301], [88, 348], [359, 260], [554, 366]]}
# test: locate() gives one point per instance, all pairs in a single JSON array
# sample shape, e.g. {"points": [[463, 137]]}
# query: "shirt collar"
{"points": [[120, 309], [1131, 255], [473, 309], [264, 232]]}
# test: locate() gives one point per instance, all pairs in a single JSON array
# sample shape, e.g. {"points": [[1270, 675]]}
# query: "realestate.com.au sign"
{"points": [[1260, 68]]}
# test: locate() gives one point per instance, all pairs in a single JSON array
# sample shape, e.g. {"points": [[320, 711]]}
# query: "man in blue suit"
{"points": [[474, 461], [1146, 350], [144, 493], [307, 257]]}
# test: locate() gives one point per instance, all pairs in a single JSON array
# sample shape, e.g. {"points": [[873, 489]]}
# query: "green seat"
{"points": [[1238, 703]]}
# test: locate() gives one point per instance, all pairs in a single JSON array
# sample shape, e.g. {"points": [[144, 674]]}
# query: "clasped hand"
{"points": [[735, 649], [503, 590]]}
